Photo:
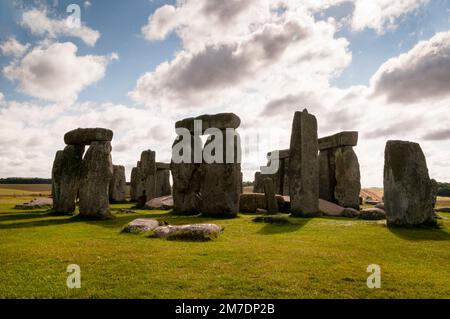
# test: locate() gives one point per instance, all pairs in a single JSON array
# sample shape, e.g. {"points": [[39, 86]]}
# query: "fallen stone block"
{"points": [[350, 213], [330, 209], [195, 232], [141, 225], [160, 203], [36, 204], [372, 214]]}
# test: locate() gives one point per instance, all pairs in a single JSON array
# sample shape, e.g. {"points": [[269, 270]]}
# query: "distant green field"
{"points": [[312, 258], [25, 189]]}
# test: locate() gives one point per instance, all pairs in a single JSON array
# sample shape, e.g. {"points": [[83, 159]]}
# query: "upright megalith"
{"points": [[162, 180], [208, 180], [409, 193], [96, 174], [143, 178], [186, 177], [339, 173], [271, 200], [303, 166], [118, 185], [66, 176]]}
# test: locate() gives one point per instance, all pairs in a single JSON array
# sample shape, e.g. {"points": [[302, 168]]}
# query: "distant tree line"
{"points": [[24, 180], [444, 189]]}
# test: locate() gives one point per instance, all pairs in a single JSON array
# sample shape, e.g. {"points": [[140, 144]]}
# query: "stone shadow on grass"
{"points": [[421, 234], [279, 228]]}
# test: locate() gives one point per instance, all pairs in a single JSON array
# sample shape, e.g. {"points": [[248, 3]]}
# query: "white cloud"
{"points": [[13, 47], [381, 14], [423, 73], [38, 22], [87, 4], [56, 72]]}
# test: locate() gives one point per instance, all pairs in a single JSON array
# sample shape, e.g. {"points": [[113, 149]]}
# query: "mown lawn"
{"points": [[314, 258]]}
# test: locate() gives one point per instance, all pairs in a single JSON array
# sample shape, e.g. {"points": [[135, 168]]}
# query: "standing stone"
{"points": [[327, 178], [408, 190], [96, 174], [146, 176], [186, 179], [348, 178], [65, 194], [220, 186], [133, 183], [163, 183], [257, 184], [269, 190], [118, 185], [56, 176], [304, 166]]}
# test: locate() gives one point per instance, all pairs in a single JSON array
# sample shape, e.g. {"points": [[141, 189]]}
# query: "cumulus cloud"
{"points": [[56, 72], [13, 47], [38, 22], [381, 15], [235, 46], [423, 73]]}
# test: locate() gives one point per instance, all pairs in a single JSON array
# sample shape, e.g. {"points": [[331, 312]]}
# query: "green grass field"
{"points": [[313, 258]]}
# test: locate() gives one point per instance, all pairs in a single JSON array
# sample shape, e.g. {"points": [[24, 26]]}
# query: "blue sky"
{"points": [[138, 66]]}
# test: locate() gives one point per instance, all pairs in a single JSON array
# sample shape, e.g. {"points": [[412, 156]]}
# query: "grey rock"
{"points": [[186, 178], [36, 203], [269, 191], [250, 202], [348, 178], [66, 185], [134, 180], [350, 212], [85, 136], [160, 203], [338, 140], [329, 208], [163, 183], [327, 177], [118, 185], [146, 177], [163, 166], [443, 210], [96, 174], [194, 232], [380, 205], [141, 225], [220, 121], [372, 214], [408, 190], [303, 166]]}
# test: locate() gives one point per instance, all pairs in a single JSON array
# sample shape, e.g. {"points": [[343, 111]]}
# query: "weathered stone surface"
{"points": [[118, 185], [338, 140], [269, 191], [348, 178], [220, 184], [146, 177], [66, 185], [85, 136], [408, 190], [196, 232], [96, 173], [258, 186], [372, 214], [303, 166], [186, 179], [133, 183], [282, 154], [163, 166], [350, 213], [443, 210], [163, 183], [141, 225], [220, 121], [36, 203], [380, 206], [434, 192], [330, 209], [250, 202], [56, 174], [327, 178], [160, 203]]}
